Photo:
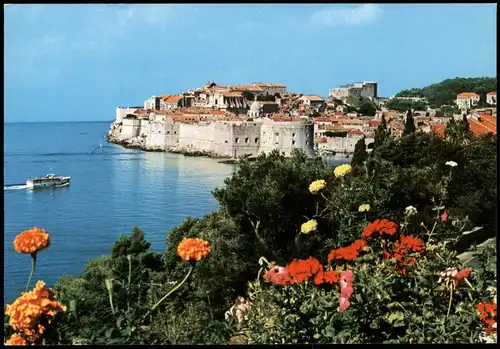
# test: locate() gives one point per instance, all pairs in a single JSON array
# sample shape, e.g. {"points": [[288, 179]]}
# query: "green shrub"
{"points": [[385, 307]]}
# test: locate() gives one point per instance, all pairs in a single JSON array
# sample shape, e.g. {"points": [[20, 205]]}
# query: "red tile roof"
{"points": [[466, 95], [232, 94], [173, 99], [492, 93], [313, 98], [269, 85], [487, 124]]}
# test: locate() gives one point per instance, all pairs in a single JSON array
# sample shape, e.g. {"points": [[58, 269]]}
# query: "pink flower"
{"points": [[344, 304], [346, 290], [277, 275], [444, 216]]}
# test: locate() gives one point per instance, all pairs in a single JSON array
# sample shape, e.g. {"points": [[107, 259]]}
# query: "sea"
{"points": [[112, 190]]}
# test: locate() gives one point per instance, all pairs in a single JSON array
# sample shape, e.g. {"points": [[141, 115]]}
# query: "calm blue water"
{"points": [[112, 190]]}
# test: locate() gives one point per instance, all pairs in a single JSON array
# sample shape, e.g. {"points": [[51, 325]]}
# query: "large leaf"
{"points": [[470, 257]]}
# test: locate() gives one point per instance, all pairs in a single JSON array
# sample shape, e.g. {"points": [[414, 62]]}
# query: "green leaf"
{"points": [[396, 319], [109, 332]]}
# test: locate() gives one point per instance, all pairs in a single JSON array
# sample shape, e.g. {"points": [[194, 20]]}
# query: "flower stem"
{"points": [[191, 267], [33, 265], [449, 303]]}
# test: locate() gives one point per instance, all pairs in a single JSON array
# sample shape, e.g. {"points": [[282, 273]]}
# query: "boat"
{"points": [[47, 181]]}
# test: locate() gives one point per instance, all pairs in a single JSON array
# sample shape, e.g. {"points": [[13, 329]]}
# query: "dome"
{"points": [[255, 106]]}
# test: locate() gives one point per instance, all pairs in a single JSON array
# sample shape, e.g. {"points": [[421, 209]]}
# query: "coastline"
{"points": [[138, 143]]}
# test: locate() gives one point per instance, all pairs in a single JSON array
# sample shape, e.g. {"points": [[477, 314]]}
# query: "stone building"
{"points": [[491, 98], [357, 89], [229, 138], [467, 100], [272, 89], [315, 102]]}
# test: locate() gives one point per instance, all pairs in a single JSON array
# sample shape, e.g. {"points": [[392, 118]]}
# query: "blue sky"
{"points": [[78, 62]]}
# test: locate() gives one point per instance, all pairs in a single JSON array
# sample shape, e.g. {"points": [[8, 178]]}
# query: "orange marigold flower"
{"points": [[302, 269], [379, 227], [31, 241], [33, 308], [16, 339], [193, 249]]}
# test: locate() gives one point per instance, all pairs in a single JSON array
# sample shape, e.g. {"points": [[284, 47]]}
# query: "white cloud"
{"points": [[342, 16]]}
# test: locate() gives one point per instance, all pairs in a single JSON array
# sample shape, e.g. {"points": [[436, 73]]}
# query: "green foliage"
{"points": [[385, 307], [266, 98], [402, 105], [249, 96], [272, 224], [367, 108], [409, 124], [263, 205], [361, 105], [382, 133], [446, 91], [415, 164], [458, 131], [130, 266], [360, 154]]}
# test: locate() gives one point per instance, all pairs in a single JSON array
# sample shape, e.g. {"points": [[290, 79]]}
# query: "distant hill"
{"points": [[446, 91]]}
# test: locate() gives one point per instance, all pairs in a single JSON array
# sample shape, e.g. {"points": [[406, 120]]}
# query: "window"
{"points": [[236, 140], [307, 142], [168, 132], [293, 142], [276, 134], [225, 141], [175, 132], [246, 140], [293, 135], [256, 139]]}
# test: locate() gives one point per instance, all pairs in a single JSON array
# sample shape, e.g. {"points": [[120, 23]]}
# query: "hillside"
{"points": [[446, 91]]}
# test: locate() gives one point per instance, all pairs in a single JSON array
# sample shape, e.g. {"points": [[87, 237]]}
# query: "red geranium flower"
{"points": [[487, 316], [330, 277], [348, 253], [378, 228], [302, 269]]}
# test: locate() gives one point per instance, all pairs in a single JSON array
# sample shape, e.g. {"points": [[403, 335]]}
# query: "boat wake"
{"points": [[15, 187]]}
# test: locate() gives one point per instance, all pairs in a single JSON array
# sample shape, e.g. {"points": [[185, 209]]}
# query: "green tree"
{"points": [[367, 108], [360, 154], [409, 124], [382, 133], [249, 96]]}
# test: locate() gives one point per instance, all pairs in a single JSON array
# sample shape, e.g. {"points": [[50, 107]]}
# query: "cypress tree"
{"points": [[381, 133], [409, 124], [360, 154]]}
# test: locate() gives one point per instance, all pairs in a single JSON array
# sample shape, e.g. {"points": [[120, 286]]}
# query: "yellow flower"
{"points": [[309, 226], [317, 186], [364, 208], [342, 170]]}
